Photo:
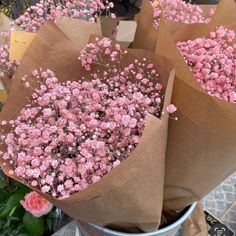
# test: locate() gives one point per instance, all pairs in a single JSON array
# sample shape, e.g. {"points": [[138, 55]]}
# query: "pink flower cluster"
{"points": [[213, 62], [7, 67], [74, 133], [35, 16], [180, 11], [103, 53]]}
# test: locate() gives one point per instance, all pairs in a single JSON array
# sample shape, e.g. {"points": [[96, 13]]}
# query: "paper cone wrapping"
{"points": [[78, 31], [131, 195], [225, 12], [201, 151], [146, 34], [109, 26]]}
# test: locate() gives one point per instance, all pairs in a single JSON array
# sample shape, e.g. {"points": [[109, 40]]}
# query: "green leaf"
{"points": [[2, 180], [2, 184], [13, 202], [20, 230], [12, 211], [34, 225], [49, 222]]}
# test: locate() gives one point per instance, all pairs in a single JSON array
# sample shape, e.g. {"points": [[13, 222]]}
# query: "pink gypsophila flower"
{"points": [[171, 108]]}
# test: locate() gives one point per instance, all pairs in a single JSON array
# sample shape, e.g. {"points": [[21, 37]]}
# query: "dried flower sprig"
{"points": [[102, 53]]}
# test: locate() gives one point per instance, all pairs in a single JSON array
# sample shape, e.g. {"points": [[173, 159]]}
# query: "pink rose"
{"points": [[36, 204]]}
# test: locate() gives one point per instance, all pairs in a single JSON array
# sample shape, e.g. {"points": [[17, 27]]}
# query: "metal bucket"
{"points": [[85, 229]]}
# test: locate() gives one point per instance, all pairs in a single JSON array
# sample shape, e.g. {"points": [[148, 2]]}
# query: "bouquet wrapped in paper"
{"points": [[174, 12], [200, 152], [8, 66], [88, 129], [69, 11]]}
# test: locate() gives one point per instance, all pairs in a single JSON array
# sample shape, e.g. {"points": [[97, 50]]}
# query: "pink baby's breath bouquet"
{"points": [[180, 11], [200, 152], [36, 15], [76, 14], [87, 129], [175, 12], [213, 62]]}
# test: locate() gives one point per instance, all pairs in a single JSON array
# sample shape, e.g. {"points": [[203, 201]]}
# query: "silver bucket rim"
{"points": [[166, 229]]}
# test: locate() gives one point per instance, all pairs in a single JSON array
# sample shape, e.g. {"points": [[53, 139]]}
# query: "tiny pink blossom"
{"points": [[113, 16], [171, 108]]}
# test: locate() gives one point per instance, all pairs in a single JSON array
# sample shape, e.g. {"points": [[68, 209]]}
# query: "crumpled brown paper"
{"points": [[131, 195], [201, 151]]}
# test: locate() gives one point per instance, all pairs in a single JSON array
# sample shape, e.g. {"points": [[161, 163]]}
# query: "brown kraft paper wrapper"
{"points": [[196, 224], [131, 195], [109, 26], [201, 152], [78, 31], [225, 12], [146, 34]]}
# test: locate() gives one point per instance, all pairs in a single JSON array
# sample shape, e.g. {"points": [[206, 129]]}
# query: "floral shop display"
{"points": [[120, 138]]}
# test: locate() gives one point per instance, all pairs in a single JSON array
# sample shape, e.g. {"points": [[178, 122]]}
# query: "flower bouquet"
{"points": [[173, 12], [75, 14], [200, 143], [181, 11], [87, 129], [72, 27]]}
